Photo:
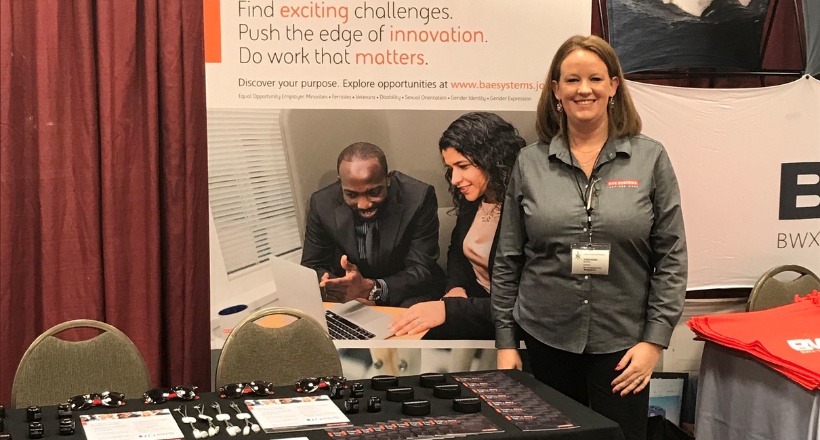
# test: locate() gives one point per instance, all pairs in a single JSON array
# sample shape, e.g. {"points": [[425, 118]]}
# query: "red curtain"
{"points": [[103, 178]]}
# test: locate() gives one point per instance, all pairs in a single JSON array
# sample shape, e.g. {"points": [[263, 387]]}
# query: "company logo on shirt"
{"points": [[805, 345], [622, 184]]}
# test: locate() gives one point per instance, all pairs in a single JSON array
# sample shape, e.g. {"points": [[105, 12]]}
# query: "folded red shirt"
{"points": [[785, 338]]}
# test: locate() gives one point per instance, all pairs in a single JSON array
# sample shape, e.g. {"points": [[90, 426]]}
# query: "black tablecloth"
{"points": [[591, 425]]}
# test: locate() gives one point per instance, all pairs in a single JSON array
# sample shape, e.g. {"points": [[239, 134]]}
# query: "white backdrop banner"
{"points": [[375, 54], [748, 165]]}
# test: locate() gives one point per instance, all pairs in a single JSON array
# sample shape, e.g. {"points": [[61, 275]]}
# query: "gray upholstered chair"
{"points": [[769, 292], [53, 370], [280, 355]]}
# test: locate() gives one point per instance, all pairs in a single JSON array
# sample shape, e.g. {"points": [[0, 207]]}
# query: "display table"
{"points": [[740, 398], [590, 424]]}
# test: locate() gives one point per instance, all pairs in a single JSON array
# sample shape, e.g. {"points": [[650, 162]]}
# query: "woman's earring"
{"points": [[611, 102], [559, 107]]}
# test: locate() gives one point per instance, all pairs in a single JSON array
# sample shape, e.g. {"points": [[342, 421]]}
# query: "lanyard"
{"points": [[586, 197]]}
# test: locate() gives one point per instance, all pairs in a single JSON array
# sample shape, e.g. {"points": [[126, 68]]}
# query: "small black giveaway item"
{"points": [[401, 394], [312, 384], [2, 424], [307, 385], [356, 390], [337, 391], [467, 404], [429, 380], [67, 426], [447, 391], [63, 410], [261, 388], [351, 406], [108, 399], [383, 382], [33, 414], [157, 396], [415, 408], [232, 390], [2, 412], [374, 404], [333, 381], [35, 430]]}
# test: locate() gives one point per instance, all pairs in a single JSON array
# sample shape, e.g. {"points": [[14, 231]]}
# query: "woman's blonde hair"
{"points": [[623, 118]]}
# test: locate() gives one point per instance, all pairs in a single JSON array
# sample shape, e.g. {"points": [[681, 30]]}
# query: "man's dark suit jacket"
{"points": [[471, 317], [408, 243]]}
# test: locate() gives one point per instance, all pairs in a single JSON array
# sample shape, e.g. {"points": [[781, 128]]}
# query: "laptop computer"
{"points": [[354, 320], [298, 287]]}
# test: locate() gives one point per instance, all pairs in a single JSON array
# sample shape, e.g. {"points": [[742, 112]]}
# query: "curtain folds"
{"points": [[103, 178]]}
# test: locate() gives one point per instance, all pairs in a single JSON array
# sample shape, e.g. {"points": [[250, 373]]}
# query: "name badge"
{"points": [[590, 258]]}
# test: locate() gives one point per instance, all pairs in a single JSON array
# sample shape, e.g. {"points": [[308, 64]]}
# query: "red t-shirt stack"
{"points": [[786, 338]]}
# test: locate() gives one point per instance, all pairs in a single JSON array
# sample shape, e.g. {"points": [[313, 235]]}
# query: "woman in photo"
{"points": [[591, 263], [479, 150]]}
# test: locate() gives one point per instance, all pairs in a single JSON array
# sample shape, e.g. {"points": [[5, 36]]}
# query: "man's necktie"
{"points": [[371, 244]]}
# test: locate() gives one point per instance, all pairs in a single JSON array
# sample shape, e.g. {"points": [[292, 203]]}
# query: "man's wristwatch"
{"points": [[376, 292]]}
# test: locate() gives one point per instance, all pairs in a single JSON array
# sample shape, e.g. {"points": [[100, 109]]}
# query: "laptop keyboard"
{"points": [[341, 328]]}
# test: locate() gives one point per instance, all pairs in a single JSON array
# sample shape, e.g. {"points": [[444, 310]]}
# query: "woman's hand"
{"points": [[456, 292], [418, 318], [639, 361], [508, 359]]}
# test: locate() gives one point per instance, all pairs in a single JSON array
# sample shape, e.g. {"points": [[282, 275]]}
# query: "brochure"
{"points": [[461, 425], [156, 424], [517, 403], [296, 413]]}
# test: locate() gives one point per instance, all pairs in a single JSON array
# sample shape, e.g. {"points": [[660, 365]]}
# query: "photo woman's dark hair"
{"points": [[490, 143]]}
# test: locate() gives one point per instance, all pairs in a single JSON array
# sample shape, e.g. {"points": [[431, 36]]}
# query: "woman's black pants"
{"points": [[587, 379]]}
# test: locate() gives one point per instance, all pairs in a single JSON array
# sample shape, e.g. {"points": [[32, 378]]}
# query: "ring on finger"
{"points": [[639, 379]]}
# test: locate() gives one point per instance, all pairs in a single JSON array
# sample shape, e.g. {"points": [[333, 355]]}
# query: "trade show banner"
{"points": [[290, 83], [405, 54], [748, 165]]}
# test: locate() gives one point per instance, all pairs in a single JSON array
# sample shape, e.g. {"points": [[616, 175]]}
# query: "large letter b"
{"points": [[790, 190]]}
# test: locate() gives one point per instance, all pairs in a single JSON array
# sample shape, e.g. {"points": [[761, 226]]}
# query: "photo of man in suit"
{"points": [[373, 235]]}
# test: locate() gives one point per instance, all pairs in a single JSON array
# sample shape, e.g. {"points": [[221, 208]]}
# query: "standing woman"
{"points": [[479, 150], [591, 262]]}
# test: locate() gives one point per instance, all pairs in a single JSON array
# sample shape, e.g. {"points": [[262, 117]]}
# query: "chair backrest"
{"points": [[279, 355], [769, 292], [53, 370]]}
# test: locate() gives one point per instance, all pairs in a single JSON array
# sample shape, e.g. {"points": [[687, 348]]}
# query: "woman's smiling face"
{"points": [[585, 87], [468, 178]]}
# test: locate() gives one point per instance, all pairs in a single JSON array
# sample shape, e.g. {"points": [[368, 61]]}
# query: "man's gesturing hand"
{"points": [[348, 287]]}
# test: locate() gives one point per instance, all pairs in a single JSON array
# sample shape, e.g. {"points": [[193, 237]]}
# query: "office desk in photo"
{"points": [[275, 321], [405, 355], [590, 425]]}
